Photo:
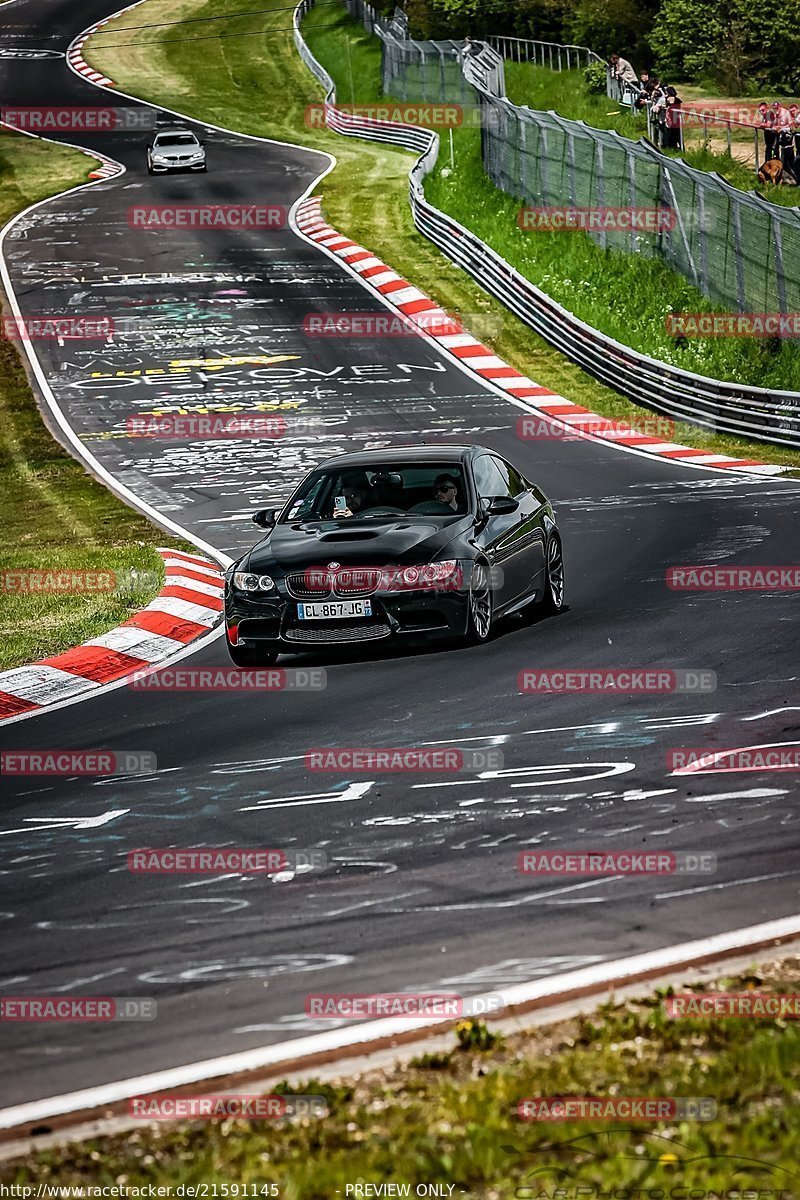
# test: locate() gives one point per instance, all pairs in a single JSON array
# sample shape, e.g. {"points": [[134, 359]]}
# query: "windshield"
{"points": [[176, 139], [385, 490]]}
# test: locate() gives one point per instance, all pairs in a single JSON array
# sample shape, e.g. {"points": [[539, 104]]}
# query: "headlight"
{"points": [[438, 576], [159, 158], [246, 582]]}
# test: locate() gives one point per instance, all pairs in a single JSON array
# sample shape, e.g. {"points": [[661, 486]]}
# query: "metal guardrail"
{"points": [[554, 55], [771, 416]]}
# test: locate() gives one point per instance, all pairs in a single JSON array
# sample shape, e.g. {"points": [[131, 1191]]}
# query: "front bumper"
{"points": [[271, 620], [166, 168]]}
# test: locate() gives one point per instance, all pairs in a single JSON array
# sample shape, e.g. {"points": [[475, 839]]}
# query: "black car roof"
{"points": [[411, 454]]}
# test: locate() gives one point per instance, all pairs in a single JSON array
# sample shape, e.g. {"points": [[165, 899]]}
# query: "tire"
{"points": [[480, 605], [250, 656], [553, 600]]}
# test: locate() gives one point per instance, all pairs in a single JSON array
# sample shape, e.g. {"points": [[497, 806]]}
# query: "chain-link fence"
{"points": [[423, 70], [736, 248], [544, 54], [724, 407]]}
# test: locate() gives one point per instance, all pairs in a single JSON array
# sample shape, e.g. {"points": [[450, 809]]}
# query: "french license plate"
{"points": [[325, 611]]}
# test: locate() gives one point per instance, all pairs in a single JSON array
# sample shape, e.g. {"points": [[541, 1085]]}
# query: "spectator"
{"points": [[621, 69], [647, 83], [673, 137], [658, 114], [784, 140], [795, 114], [765, 120]]}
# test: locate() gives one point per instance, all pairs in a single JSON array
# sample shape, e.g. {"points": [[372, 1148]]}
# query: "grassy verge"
{"points": [[55, 517], [566, 92], [451, 1118], [258, 85]]}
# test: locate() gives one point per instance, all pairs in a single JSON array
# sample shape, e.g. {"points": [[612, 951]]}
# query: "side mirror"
{"points": [[265, 518], [501, 505]]}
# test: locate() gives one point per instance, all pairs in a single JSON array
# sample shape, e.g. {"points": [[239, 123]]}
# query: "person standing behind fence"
{"points": [[621, 70], [784, 130], [765, 121], [794, 113], [673, 138], [658, 113], [647, 84]]}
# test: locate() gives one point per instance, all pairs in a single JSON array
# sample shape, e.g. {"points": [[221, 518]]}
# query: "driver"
{"points": [[445, 490], [356, 491]]}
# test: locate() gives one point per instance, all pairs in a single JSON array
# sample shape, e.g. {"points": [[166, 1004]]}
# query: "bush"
{"points": [[595, 77]]}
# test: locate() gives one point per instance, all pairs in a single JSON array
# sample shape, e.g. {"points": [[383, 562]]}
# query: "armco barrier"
{"points": [[761, 413]]}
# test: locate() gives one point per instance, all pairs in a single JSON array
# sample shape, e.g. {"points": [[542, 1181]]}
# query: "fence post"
{"points": [[571, 168], [737, 245], [780, 274], [601, 185], [705, 285], [631, 164]]}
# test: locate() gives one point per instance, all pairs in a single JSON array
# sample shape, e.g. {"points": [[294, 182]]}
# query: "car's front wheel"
{"points": [[251, 656], [480, 606]]}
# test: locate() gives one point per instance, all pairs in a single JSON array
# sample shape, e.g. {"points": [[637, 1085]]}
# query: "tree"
{"points": [[608, 25], [741, 46]]}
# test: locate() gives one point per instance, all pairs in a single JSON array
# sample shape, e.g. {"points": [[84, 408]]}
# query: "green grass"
{"points": [[567, 94], [627, 296], [53, 515], [450, 1118], [259, 85]]}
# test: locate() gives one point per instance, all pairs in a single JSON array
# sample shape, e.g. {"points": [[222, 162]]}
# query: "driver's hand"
{"points": [[342, 512]]}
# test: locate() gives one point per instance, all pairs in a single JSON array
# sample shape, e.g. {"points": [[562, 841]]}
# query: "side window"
{"points": [[514, 482], [489, 479]]}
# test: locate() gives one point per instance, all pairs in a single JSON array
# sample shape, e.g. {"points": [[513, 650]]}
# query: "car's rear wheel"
{"points": [[480, 606], [553, 600], [251, 656]]}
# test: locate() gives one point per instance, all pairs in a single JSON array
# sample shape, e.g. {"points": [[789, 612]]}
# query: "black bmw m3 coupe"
{"points": [[415, 544]]}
